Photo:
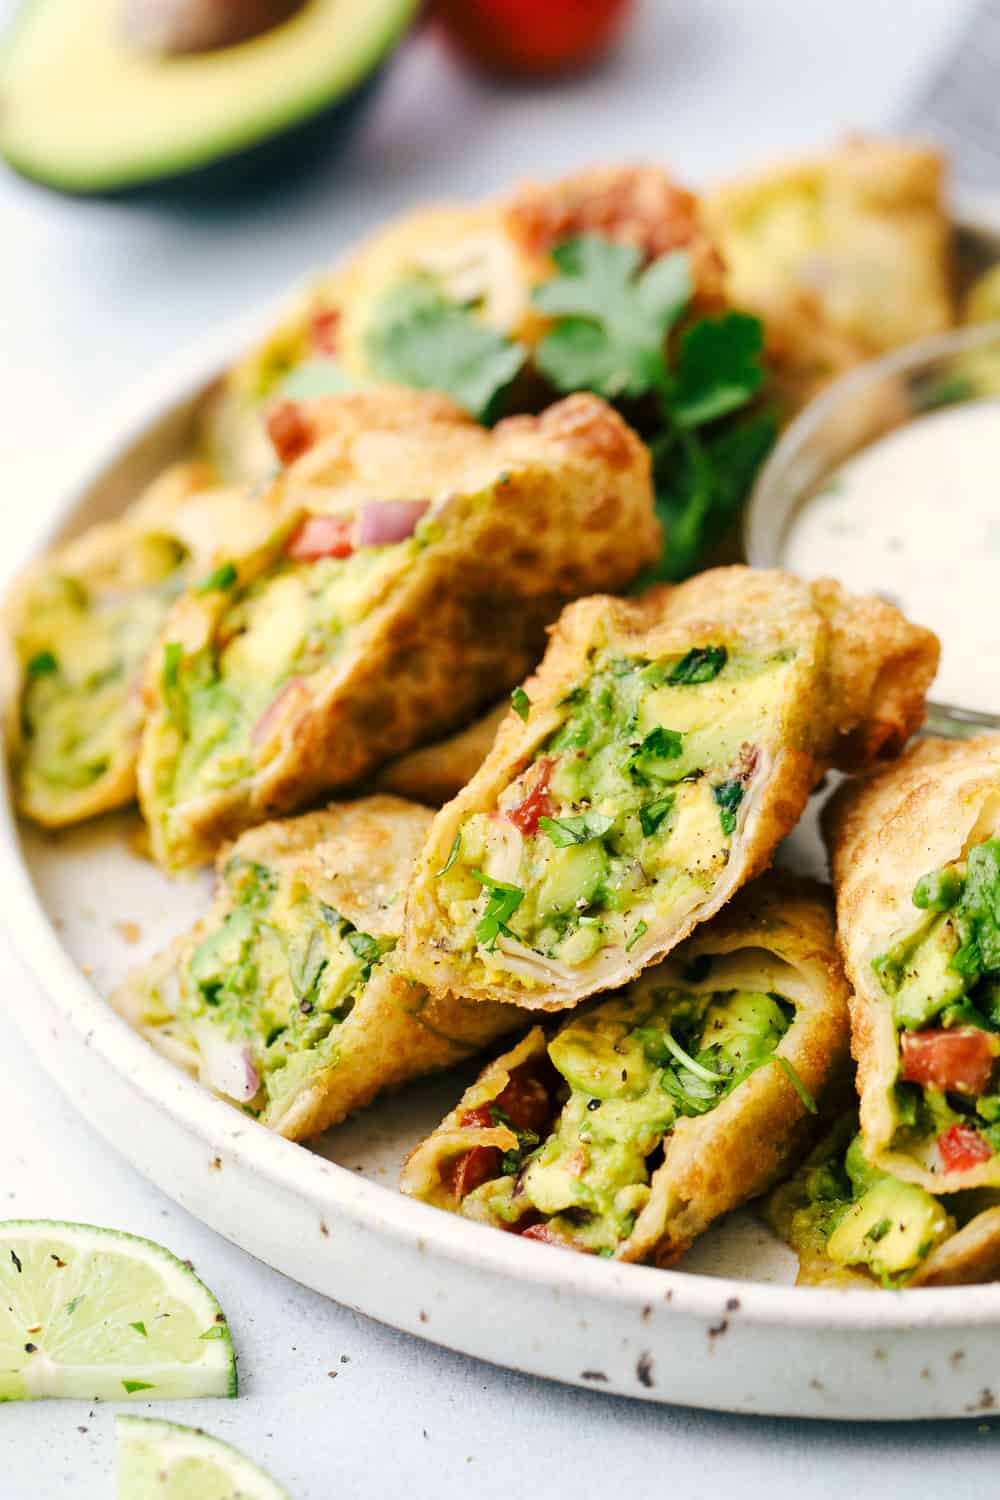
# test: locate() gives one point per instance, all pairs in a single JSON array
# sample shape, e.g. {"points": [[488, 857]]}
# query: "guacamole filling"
{"points": [[626, 1070], [627, 811], [943, 980], [858, 1216], [82, 652], [264, 997], [269, 638]]}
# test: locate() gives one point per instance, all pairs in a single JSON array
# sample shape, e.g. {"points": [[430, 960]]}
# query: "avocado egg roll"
{"points": [[853, 1225], [387, 606], [288, 999], [915, 851], [81, 624], [436, 773], [652, 1111], [665, 746]]}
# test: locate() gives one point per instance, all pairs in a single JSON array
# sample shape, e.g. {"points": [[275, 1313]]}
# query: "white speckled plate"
{"points": [[727, 1330]]}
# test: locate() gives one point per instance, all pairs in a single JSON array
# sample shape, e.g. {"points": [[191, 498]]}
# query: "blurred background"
{"points": [[100, 292]]}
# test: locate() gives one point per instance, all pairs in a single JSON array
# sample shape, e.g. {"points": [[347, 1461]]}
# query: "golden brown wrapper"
{"points": [[108, 563], [716, 1161], [538, 511], [970, 1254], [355, 857], [436, 773], [884, 832], [856, 692], [844, 254]]}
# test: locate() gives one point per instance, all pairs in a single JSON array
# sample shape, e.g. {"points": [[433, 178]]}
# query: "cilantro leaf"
{"points": [[728, 797], [221, 579], [646, 759], [419, 338], [652, 816], [44, 664], [501, 906], [613, 319], [578, 830], [719, 368], [520, 703], [452, 856], [364, 946], [640, 930], [701, 664]]}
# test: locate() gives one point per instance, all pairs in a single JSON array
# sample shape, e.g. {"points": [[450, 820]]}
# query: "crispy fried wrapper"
{"points": [[288, 998], [326, 657], [692, 786], [806, 1210], [489, 256], [436, 773], [885, 832], [493, 1156], [844, 255], [80, 624]]}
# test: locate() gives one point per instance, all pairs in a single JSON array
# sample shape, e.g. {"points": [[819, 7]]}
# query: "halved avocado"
{"points": [[85, 109]]}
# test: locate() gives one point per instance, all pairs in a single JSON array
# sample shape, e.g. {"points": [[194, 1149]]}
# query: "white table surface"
{"points": [[94, 295]]}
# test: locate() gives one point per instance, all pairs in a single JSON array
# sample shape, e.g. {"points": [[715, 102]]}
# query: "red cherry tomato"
{"points": [[532, 37], [322, 536], [961, 1059], [961, 1147], [535, 803], [525, 1102], [471, 1170]]}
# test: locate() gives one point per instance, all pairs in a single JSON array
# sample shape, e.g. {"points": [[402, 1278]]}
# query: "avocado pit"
{"points": [[178, 28]]}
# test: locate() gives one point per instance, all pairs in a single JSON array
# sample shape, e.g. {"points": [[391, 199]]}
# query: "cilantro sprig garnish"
{"points": [[420, 338], [610, 334], [501, 906]]}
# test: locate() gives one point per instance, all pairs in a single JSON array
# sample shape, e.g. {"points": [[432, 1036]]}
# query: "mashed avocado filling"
{"points": [[943, 979], [82, 651], [632, 1066], [265, 994], [268, 638], [628, 809], [858, 1216]]}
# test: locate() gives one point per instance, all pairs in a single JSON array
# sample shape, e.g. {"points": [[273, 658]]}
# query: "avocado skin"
{"points": [[265, 164]]}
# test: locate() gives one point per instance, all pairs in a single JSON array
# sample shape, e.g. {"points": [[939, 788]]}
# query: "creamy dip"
{"points": [[916, 518]]}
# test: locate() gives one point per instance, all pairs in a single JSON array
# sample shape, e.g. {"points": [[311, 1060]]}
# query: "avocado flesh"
{"points": [[278, 977], [660, 759], [590, 1177], [82, 653], [84, 111]]}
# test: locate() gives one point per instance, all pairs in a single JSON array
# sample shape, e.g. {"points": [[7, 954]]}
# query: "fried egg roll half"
{"points": [[365, 626], [287, 999], [916, 863], [436, 773], [451, 275], [81, 624], [853, 1225], [668, 743], [652, 1111]]}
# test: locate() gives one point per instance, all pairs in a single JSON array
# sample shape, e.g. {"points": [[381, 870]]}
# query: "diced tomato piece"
{"points": [[545, 1236], [289, 429], [472, 1169], [322, 536], [961, 1059], [323, 327], [535, 804], [961, 1147], [525, 1102], [478, 1118]]}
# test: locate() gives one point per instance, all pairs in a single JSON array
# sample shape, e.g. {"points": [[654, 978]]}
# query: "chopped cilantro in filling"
{"points": [[630, 1068], [629, 808], [944, 982], [265, 994], [83, 650]]}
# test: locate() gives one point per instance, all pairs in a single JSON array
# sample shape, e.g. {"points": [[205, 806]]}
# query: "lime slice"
{"points": [[100, 1315], [169, 1462]]}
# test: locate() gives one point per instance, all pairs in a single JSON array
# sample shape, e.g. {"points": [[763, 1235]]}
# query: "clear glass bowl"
{"points": [[868, 403]]}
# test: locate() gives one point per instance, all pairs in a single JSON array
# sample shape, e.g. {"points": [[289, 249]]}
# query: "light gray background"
{"points": [[93, 296]]}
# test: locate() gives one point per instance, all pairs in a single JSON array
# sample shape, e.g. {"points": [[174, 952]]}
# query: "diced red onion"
{"points": [[265, 724], [228, 1068], [385, 521]]}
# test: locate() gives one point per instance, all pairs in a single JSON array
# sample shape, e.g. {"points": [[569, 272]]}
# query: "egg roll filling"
{"points": [[269, 637], [265, 995], [857, 1216], [629, 809], [590, 1124], [82, 649], [943, 981]]}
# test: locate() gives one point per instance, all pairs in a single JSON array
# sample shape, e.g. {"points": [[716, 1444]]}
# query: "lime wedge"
{"points": [[163, 1461], [100, 1315]]}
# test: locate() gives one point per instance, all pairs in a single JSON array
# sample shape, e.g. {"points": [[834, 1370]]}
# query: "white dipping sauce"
{"points": [[916, 518]]}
